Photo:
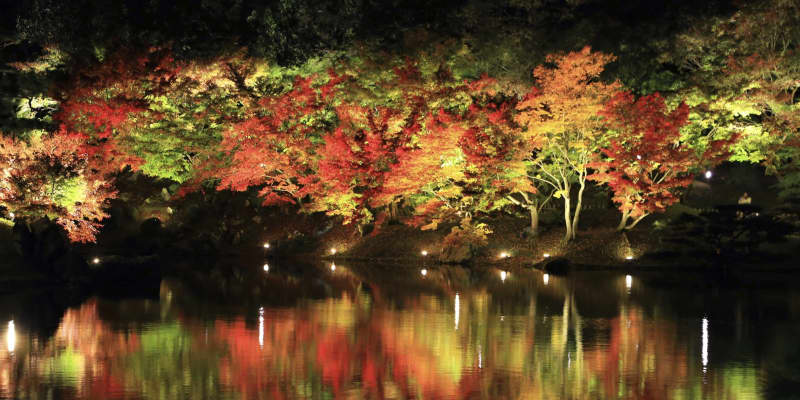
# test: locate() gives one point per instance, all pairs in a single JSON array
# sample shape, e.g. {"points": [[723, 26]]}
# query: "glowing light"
{"points": [[11, 337], [11, 215], [266, 267], [546, 255], [457, 309], [704, 342], [95, 260], [424, 253], [424, 272], [261, 326], [708, 174], [333, 250], [503, 275], [546, 279], [266, 245], [628, 281], [629, 258], [504, 255], [638, 157], [333, 267]]}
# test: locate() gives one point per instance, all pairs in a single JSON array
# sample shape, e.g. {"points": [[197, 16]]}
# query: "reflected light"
{"points": [[333, 250], [546, 255], [261, 326], [503, 275], [424, 272], [628, 281], [11, 337], [704, 339], [333, 267], [546, 279], [266, 267], [457, 309]]}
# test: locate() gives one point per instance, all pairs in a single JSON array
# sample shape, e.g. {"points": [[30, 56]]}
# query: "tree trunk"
{"points": [[567, 220], [636, 221], [623, 221], [576, 217], [534, 219]]}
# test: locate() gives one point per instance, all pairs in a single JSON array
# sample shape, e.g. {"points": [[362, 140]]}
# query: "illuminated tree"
{"points": [[563, 126], [50, 177], [646, 164], [274, 146]]}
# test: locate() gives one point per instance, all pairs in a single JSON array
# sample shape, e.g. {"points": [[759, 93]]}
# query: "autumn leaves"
{"points": [[368, 142]]}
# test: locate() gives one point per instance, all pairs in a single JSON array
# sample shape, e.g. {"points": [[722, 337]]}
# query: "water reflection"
{"points": [[574, 338], [11, 337]]}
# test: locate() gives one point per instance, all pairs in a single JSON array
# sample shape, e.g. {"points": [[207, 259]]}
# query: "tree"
{"points": [[274, 146], [646, 164], [563, 127], [50, 177]]}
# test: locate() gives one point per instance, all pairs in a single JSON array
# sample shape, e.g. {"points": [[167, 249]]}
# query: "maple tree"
{"points": [[646, 163], [50, 177], [563, 127], [274, 146]]}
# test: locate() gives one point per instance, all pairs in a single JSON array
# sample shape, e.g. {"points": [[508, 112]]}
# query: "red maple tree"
{"points": [[646, 164]]}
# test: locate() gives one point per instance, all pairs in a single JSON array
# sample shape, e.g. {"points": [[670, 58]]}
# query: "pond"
{"points": [[406, 332]]}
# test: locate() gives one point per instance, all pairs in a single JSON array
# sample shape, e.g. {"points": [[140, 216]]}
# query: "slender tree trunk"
{"points": [[636, 221], [576, 217], [534, 210], [623, 221], [567, 220]]}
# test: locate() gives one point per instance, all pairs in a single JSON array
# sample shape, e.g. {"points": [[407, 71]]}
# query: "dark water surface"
{"points": [[392, 332]]}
